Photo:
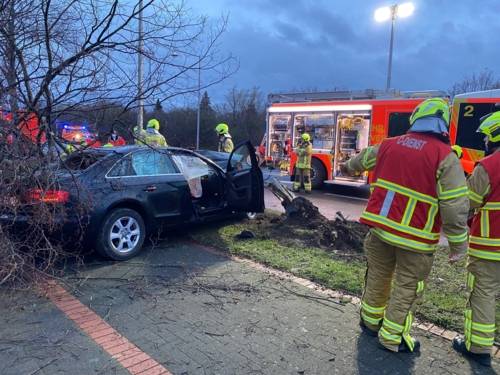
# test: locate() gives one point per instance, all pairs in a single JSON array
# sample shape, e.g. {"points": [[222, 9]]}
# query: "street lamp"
{"points": [[140, 62], [198, 114], [391, 13]]}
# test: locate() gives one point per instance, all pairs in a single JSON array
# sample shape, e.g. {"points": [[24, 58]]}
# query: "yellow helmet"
{"points": [[490, 127], [154, 123], [434, 107], [306, 137], [222, 129]]}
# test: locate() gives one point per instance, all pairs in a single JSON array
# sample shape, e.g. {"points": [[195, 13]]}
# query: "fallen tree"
{"points": [[339, 234]]}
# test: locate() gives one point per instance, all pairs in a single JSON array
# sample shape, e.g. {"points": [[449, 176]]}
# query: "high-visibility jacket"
{"points": [[153, 138], [304, 152], [404, 207], [69, 149], [485, 230], [225, 144]]}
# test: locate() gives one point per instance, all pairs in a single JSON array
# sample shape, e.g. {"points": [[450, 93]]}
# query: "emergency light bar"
{"points": [[319, 108]]}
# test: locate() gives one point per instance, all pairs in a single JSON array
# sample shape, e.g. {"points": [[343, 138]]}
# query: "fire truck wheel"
{"points": [[318, 173]]}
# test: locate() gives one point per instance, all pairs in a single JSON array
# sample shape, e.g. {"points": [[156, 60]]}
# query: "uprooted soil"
{"points": [[303, 225]]}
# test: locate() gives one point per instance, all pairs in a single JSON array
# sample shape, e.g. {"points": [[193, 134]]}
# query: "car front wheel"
{"points": [[122, 234]]}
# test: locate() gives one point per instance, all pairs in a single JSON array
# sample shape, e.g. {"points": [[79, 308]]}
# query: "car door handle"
{"points": [[150, 188]]}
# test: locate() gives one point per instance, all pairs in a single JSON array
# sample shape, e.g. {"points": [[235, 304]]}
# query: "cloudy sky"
{"points": [[287, 45]]}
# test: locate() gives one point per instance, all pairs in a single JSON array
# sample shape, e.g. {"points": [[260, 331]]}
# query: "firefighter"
{"points": [[483, 278], [303, 165], [152, 136], [418, 187], [225, 140], [138, 133]]}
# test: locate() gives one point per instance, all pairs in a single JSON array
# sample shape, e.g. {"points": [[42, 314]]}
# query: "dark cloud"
{"points": [[286, 45]]}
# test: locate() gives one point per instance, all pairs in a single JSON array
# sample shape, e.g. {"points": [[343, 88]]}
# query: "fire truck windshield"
{"points": [[468, 122]]}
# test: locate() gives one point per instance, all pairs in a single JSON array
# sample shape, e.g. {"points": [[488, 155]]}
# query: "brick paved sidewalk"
{"points": [[37, 338], [195, 312]]}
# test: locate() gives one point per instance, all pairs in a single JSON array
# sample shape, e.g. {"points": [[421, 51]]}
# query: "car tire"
{"points": [[318, 174], [121, 235]]}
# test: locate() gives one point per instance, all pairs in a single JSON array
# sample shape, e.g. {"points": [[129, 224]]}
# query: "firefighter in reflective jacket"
{"points": [[138, 133], [303, 165], [483, 279], [152, 136], [418, 189], [225, 140]]}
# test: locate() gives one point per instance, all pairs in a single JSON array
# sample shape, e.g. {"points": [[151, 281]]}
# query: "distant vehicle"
{"points": [[130, 191], [467, 111], [77, 133], [341, 124]]}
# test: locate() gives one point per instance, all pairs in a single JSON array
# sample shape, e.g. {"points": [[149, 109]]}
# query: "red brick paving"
{"points": [[126, 353]]}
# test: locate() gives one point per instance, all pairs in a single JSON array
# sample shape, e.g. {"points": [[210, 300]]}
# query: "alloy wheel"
{"points": [[124, 234]]}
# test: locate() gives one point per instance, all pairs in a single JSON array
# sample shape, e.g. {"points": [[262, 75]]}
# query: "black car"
{"points": [[128, 192]]}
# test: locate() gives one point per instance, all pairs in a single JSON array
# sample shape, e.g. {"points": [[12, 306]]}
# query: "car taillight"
{"points": [[48, 196]]}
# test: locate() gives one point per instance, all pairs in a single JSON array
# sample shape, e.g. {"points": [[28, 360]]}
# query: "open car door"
{"points": [[245, 181]]}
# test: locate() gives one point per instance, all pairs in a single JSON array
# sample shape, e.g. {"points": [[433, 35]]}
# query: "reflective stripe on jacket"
{"points": [[304, 152], [226, 144], [485, 229], [153, 138], [404, 207]]}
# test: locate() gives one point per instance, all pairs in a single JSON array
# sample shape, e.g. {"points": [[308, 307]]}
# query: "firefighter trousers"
{"points": [[390, 312], [302, 177], [483, 283]]}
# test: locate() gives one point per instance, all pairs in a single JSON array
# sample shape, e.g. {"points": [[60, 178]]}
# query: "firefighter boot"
{"points": [[459, 345], [405, 348], [367, 330]]}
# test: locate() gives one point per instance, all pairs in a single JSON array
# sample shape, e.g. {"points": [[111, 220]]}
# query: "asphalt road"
{"points": [[330, 199]]}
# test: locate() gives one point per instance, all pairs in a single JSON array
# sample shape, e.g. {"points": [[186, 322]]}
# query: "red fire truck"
{"points": [[341, 124], [466, 114]]}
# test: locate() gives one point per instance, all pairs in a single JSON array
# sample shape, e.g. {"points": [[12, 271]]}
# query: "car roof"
{"points": [[123, 150]]}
